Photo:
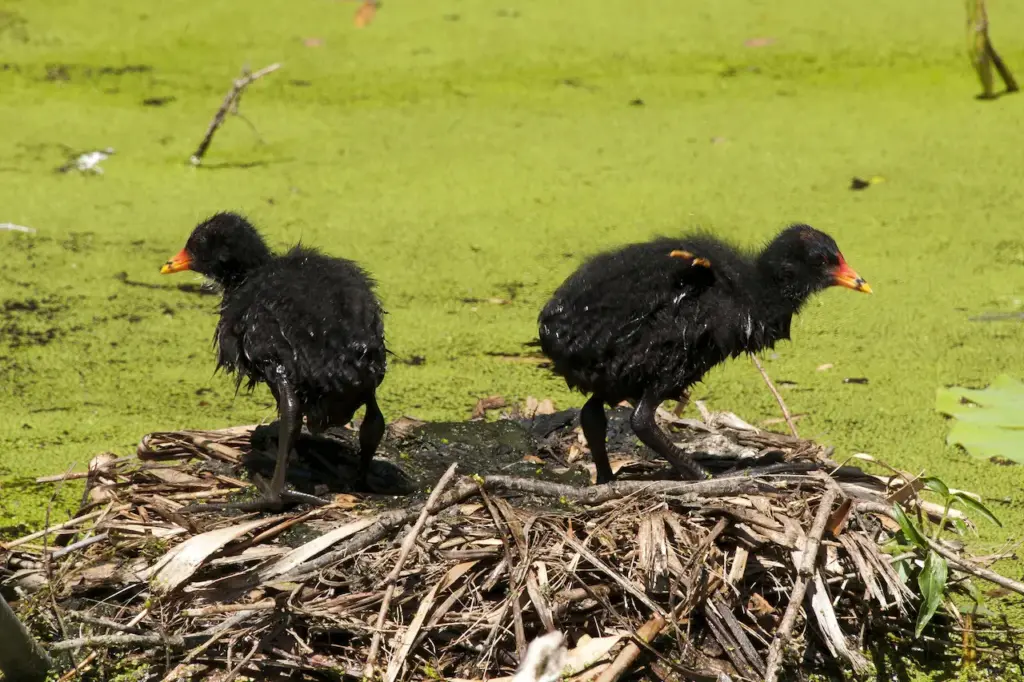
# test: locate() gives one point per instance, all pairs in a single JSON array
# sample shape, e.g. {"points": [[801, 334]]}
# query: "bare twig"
{"points": [[407, 544], [974, 569], [624, 583], [398, 661], [81, 544], [264, 605], [963, 564], [234, 672], [60, 526], [592, 495], [520, 570], [48, 564], [622, 663], [983, 54], [778, 396], [112, 641], [796, 597], [230, 102], [104, 622], [87, 661]]}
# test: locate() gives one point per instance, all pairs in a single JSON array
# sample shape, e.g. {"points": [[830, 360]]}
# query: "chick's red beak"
{"points": [[182, 261], [844, 276]]}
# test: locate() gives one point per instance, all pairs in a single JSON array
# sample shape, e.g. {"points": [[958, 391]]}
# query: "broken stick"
{"points": [[778, 396], [403, 554], [983, 54], [230, 103], [804, 572]]}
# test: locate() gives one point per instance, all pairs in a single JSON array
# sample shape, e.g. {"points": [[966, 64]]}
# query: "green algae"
{"points": [[461, 151]]}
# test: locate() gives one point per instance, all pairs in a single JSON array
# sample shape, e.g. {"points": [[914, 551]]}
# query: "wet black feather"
{"points": [[315, 318], [636, 319]]}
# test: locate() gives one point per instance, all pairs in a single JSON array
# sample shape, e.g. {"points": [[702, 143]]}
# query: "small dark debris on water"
{"points": [[733, 71], [858, 184], [413, 360], [452, 17], [512, 289], [855, 380], [29, 306], [127, 68], [494, 300], [300, 83], [62, 72], [997, 317], [636, 102], [574, 83], [57, 72], [525, 358], [157, 101]]}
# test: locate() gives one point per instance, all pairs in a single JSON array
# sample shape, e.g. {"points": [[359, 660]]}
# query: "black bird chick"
{"points": [[306, 324], [645, 322]]}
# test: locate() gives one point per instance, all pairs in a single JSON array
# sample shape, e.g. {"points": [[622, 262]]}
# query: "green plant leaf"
{"points": [[902, 569], [989, 422], [960, 526], [936, 486], [976, 506], [908, 527], [932, 581]]}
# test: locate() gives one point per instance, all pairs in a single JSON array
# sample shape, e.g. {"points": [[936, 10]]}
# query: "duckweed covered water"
{"points": [[469, 151]]}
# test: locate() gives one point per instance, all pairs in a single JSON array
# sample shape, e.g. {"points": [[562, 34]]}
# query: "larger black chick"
{"points": [[645, 322], [306, 324]]}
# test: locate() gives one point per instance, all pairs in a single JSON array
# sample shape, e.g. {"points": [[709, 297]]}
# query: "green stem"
{"points": [[942, 521]]}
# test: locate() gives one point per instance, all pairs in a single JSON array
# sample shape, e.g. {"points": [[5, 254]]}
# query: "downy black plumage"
{"points": [[645, 322], [306, 324]]}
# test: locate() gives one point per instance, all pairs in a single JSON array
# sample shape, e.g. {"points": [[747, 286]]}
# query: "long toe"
{"points": [[303, 498]]}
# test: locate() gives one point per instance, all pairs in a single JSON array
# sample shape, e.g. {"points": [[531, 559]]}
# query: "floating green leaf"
{"points": [[932, 581], [989, 422], [911, 532], [976, 506]]}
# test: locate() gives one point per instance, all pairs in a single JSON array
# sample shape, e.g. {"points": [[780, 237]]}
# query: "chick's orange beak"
{"points": [[844, 276], [182, 261]]}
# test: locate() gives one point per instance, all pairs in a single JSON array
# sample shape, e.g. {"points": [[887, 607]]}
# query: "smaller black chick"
{"points": [[306, 324], [645, 322]]}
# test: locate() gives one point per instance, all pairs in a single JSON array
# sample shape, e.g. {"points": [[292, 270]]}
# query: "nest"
{"points": [[780, 565]]}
